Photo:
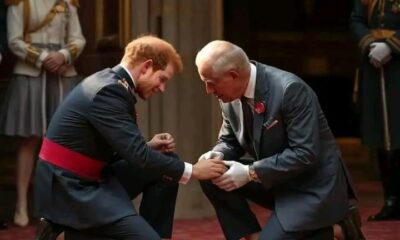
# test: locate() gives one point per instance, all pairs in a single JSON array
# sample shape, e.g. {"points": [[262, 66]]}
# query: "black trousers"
{"points": [[237, 220], [157, 206]]}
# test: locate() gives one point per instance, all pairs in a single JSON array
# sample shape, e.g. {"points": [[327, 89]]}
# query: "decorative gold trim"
{"points": [[365, 41], [32, 54], [395, 40], [99, 10], [218, 19], [395, 43], [124, 34], [382, 33], [73, 50], [12, 2], [125, 22]]}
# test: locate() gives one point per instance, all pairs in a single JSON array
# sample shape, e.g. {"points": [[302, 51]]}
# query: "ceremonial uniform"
{"points": [[76, 184], [36, 27], [375, 21]]}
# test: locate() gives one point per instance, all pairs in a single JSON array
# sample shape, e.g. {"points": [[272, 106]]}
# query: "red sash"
{"points": [[74, 162]]}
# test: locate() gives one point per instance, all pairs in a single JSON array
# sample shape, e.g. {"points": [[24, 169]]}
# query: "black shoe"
{"points": [[47, 230], [390, 211], [351, 225], [3, 225]]}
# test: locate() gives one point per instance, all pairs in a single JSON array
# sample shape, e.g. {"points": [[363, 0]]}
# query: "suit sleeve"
{"points": [[227, 142], [300, 115], [111, 114]]}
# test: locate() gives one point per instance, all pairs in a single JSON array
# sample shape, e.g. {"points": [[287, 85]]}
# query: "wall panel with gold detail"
{"points": [[113, 23], [107, 27]]}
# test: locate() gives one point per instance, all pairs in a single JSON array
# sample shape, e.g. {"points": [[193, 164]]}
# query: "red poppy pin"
{"points": [[259, 107]]}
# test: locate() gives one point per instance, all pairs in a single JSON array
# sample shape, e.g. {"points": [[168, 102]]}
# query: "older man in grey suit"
{"points": [[297, 169]]}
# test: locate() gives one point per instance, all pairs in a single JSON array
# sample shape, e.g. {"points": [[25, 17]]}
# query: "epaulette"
{"points": [[13, 2], [74, 3]]}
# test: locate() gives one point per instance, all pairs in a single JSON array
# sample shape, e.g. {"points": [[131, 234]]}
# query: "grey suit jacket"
{"points": [[295, 151]]}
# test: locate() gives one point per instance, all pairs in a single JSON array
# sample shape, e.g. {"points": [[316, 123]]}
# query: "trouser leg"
{"points": [[128, 228], [157, 206], [389, 168], [232, 209], [273, 231]]}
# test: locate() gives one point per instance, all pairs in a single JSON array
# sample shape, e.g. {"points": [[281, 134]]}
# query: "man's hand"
{"points": [[378, 64], [62, 69], [235, 177], [211, 154], [53, 61], [163, 142], [205, 170], [380, 54]]}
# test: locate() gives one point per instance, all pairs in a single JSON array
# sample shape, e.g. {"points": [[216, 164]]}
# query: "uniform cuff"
{"points": [[394, 43], [66, 54]]}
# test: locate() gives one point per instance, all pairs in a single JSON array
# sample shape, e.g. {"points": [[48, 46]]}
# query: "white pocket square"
{"points": [[270, 123]]}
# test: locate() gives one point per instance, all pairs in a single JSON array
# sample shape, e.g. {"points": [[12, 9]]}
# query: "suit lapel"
{"points": [[260, 97]]}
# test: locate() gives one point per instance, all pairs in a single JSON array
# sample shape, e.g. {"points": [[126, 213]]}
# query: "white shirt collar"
{"points": [[126, 69], [251, 86]]}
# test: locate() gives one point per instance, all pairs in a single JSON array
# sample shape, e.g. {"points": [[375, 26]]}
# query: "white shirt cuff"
{"points": [[187, 173]]}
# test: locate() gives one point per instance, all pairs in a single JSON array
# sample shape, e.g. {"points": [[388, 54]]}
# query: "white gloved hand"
{"points": [[211, 155], [235, 177], [379, 51]]}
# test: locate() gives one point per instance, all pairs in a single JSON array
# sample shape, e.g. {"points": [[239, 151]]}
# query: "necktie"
{"points": [[247, 117]]}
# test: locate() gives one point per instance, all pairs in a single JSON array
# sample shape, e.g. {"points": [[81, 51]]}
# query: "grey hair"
{"points": [[223, 56]]}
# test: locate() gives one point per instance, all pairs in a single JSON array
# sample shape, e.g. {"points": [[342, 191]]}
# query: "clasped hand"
{"points": [[163, 142], [235, 177], [380, 54], [55, 63]]}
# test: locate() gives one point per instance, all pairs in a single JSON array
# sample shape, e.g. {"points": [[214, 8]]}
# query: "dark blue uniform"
{"points": [[98, 120], [379, 21]]}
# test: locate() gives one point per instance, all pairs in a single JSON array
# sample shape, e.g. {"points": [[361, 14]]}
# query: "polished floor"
{"points": [[208, 229]]}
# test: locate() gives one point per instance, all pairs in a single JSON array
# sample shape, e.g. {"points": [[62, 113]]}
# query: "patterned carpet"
{"points": [[208, 229]]}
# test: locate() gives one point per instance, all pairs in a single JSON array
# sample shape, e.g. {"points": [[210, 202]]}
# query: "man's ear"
{"points": [[233, 74], [148, 64]]}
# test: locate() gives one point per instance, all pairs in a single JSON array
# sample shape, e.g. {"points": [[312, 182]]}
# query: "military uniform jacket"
{"points": [[62, 33], [296, 154], [97, 119], [373, 23]]}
